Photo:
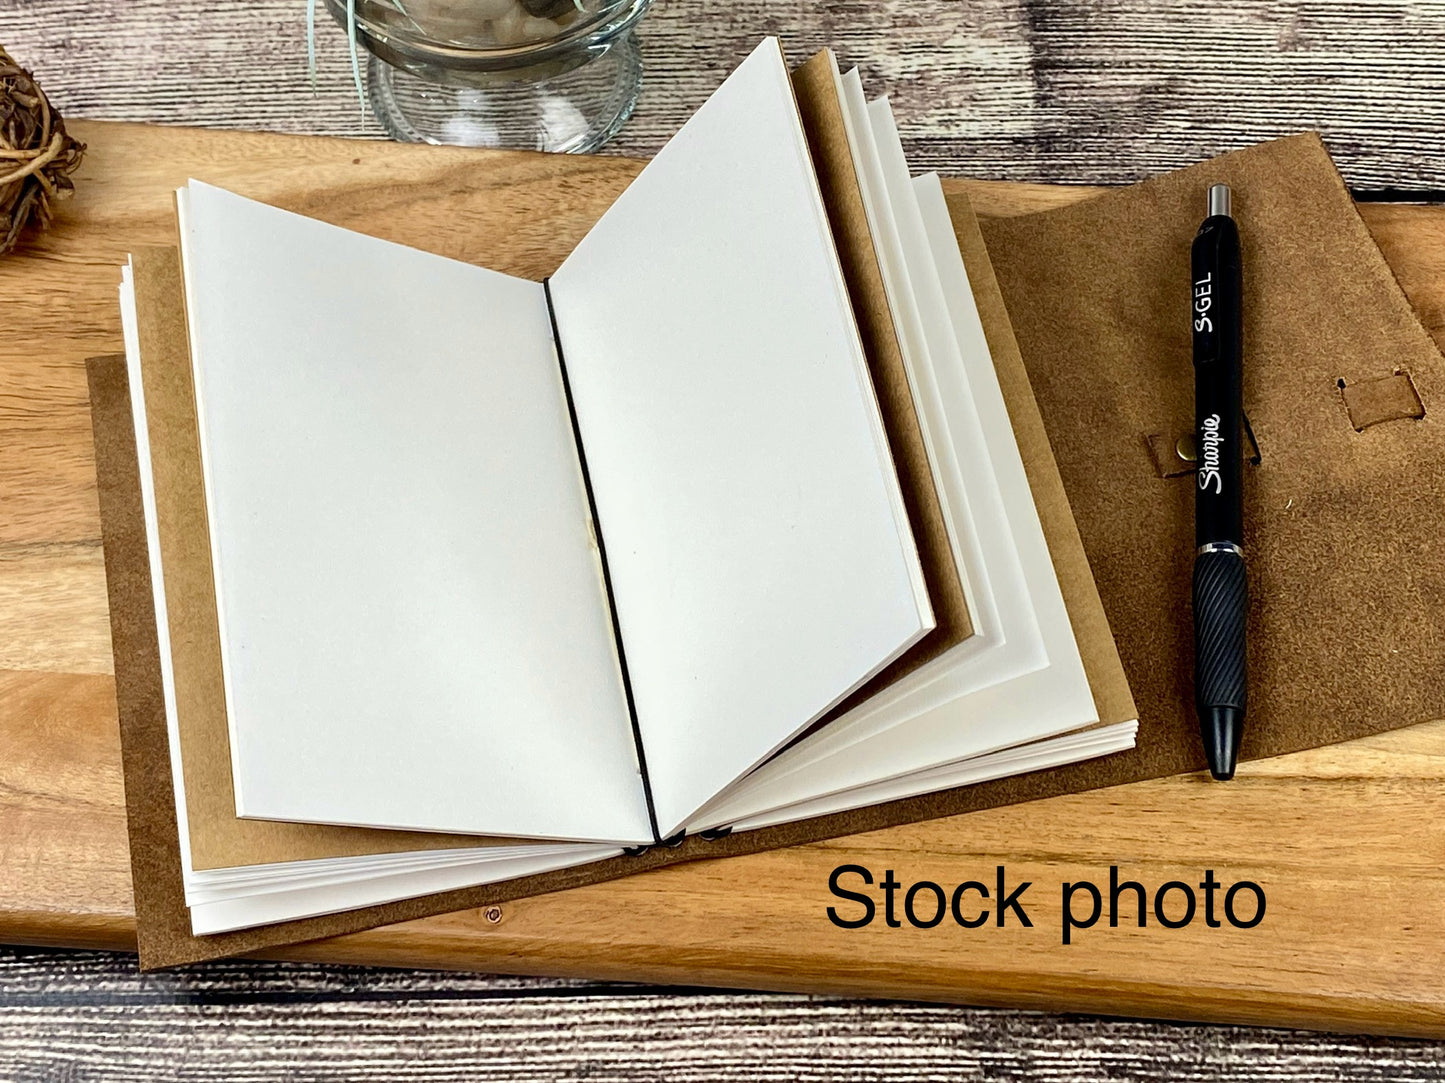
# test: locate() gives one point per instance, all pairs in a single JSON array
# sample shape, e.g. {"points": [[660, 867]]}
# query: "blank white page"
{"points": [[909, 739], [414, 626], [761, 560]]}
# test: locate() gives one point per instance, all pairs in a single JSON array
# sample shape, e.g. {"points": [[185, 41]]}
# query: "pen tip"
{"points": [[1219, 200], [1222, 728]]}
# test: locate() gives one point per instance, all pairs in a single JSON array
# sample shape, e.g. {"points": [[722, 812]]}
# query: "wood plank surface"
{"points": [[1041, 90], [89, 1017], [1064, 90], [1346, 841]]}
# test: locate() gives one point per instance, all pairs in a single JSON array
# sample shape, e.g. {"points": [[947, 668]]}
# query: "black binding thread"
{"points": [[665, 844], [657, 839]]}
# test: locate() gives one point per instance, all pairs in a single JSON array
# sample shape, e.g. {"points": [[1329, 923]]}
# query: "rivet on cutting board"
{"points": [[1186, 449]]}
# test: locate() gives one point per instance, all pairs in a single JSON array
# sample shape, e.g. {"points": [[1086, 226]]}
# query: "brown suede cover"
{"points": [[1346, 635], [1343, 527]]}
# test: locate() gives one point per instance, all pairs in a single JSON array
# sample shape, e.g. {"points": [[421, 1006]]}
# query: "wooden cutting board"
{"points": [[1348, 842]]}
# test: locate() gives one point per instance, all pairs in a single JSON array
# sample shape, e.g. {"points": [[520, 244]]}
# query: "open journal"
{"points": [[461, 577]]}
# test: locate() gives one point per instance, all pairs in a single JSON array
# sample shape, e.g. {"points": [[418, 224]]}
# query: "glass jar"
{"points": [[558, 75]]}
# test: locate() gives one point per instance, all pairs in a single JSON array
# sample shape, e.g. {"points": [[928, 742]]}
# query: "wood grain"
{"points": [[1354, 933], [1066, 91], [1042, 90], [89, 1017]]}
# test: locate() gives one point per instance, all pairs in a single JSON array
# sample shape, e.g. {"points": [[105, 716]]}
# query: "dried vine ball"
{"points": [[36, 155]]}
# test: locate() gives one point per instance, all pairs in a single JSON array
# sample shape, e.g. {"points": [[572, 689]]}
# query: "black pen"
{"points": [[1220, 592]]}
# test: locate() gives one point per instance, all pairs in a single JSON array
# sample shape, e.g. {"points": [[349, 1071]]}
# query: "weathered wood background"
{"points": [[1102, 91], [86, 1016], [1090, 91]]}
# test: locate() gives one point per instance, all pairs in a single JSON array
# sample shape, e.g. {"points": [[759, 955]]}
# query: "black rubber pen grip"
{"points": [[1220, 603]]}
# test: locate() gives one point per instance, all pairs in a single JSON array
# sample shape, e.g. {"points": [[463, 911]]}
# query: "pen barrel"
{"points": [[1221, 603], [1218, 407]]}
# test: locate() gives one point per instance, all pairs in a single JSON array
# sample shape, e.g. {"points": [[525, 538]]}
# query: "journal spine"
{"points": [[657, 839]]}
